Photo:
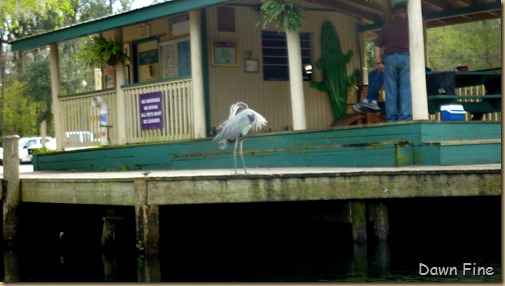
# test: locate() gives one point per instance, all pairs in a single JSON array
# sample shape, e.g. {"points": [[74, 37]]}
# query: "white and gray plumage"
{"points": [[236, 128]]}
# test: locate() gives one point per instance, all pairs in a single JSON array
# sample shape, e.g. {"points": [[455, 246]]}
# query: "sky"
{"points": [[142, 3]]}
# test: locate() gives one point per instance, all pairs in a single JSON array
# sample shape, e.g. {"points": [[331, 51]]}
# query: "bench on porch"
{"points": [[441, 91]]}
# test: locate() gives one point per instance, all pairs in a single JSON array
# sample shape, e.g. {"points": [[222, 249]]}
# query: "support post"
{"points": [[119, 124], [110, 229], [147, 219], [43, 132], [296, 80], [378, 216], [12, 196], [197, 74], [417, 61], [59, 128], [358, 220]]}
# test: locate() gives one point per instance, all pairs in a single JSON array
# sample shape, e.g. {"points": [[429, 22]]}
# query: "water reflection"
{"points": [[148, 268], [359, 263], [109, 267], [381, 259], [254, 248], [368, 262], [11, 266]]}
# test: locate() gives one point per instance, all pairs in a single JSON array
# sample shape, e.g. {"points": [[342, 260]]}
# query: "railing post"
{"points": [[11, 191]]}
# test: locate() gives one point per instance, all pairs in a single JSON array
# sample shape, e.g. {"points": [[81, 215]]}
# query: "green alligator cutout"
{"points": [[333, 64]]}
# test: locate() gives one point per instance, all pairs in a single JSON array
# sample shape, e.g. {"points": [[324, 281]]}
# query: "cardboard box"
{"points": [[452, 112]]}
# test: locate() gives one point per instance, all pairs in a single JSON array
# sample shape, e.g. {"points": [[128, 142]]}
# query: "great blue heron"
{"points": [[236, 128]]}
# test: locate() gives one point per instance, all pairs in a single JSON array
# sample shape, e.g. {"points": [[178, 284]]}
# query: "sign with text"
{"points": [[151, 111]]}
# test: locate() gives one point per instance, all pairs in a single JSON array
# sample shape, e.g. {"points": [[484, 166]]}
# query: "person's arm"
{"points": [[378, 57]]}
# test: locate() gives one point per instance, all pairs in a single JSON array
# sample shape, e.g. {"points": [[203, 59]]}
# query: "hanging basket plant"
{"points": [[283, 14], [103, 52]]}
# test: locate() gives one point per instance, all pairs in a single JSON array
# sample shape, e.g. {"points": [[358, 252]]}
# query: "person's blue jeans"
{"points": [[375, 81], [397, 86]]}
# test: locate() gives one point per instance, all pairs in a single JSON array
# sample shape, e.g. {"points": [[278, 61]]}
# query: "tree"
{"points": [[29, 80], [476, 45], [18, 114], [37, 89]]}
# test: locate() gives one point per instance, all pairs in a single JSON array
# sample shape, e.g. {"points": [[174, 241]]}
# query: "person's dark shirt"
{"points": [[394, 36]]}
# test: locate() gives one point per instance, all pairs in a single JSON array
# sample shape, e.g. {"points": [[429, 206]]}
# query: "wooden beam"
{"points": [[365, 12]]}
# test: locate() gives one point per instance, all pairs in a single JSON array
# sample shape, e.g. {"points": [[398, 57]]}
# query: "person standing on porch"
{"points": [[369, 103], [394, 38]]}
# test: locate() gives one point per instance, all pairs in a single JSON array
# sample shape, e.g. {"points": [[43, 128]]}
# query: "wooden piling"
{"points": [[110, 227], [358, 220], [12, 196], [378, 216], [147, 219]]}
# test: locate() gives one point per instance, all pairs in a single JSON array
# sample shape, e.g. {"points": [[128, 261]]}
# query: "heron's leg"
{"points": [[242, 155], [235, 154]]}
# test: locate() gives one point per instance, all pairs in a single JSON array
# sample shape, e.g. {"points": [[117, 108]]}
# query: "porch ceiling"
{"points": [[436, 12], [99, 25]]}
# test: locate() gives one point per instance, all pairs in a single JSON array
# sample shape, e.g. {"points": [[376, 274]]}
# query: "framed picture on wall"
{"points": [[226, 19], [224, 52]]}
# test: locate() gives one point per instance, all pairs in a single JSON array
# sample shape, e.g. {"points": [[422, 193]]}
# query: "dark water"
{"points": [[268, 242]]}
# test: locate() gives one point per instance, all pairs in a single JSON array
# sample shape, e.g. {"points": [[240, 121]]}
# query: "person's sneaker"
{"points": [[372, 105], [359, 106]]}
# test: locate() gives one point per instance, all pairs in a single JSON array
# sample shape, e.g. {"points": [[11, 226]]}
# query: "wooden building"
{"points": [[190, 59]]}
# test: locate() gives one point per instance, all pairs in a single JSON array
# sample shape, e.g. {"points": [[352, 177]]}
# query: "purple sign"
{"points": [[151, 111]]}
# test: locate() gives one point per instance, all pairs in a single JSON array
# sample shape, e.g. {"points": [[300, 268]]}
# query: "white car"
{"points": [[26, 146]]}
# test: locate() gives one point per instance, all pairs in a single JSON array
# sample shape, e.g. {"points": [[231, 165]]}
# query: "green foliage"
{"points": [[22, 16], [42, 150], [18, 113], [37, 88], [476, 45], [140, 246], [26, 89], [283, 14], [102, 52]]}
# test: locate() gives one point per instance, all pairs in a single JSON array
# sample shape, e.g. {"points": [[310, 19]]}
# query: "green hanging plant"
{"points": [[282, 13], [103, 52]]}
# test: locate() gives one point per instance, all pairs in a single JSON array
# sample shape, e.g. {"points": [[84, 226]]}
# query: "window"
{"points": [[275, 56]]}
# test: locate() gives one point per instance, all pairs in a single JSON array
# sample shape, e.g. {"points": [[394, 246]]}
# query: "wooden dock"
{"points": [[359, 188]]}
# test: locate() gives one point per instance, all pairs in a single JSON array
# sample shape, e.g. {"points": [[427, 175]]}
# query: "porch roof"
{"points": [[435, 12], [110, 22]]}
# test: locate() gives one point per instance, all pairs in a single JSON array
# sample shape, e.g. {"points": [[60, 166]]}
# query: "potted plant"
{"points": [[103, 52], [283, 14]]}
